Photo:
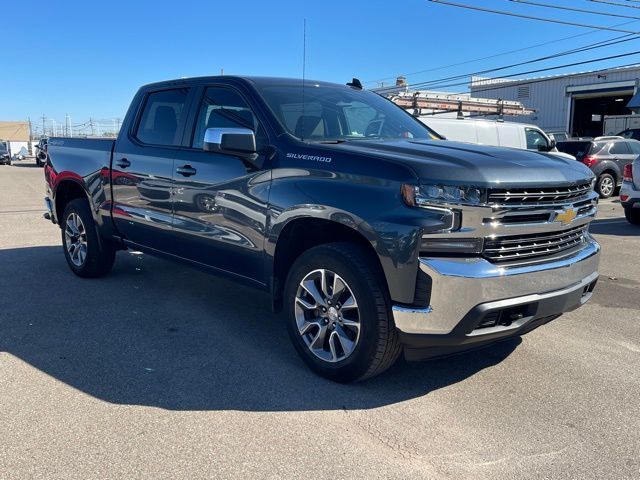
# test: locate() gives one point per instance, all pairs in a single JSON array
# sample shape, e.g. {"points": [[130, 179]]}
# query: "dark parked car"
{"points": [[5, 156], [605, 157], [633, 133], [41, 154]]}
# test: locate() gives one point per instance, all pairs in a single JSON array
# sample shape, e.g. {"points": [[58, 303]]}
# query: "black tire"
{"points": [[377, 347], [633, 215], [99, 254], [605, 181]]}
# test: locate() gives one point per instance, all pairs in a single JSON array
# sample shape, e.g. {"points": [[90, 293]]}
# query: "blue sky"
{"points": [[88, 58]]}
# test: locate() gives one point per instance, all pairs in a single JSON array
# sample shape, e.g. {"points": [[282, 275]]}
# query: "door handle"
{"points": [[186, 170], [123, 163]]}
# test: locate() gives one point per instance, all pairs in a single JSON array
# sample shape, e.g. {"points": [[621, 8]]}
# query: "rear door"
{"points": [[220, 203], [142, 170], [621, 154]]}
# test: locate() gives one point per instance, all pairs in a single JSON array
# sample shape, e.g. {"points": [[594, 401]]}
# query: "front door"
{"points": [[220, 203], [142, 170]]}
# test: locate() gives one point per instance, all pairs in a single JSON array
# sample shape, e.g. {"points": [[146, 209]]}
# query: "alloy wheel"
{"points": [[606, 186], [327, 315], [75, 238]]}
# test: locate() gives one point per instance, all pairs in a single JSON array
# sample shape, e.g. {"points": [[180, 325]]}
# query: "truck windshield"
{"points": [[331, 113]]}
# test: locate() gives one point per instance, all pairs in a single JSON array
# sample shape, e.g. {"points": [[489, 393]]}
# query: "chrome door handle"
{"points": [[186, 170], [123, 163]]}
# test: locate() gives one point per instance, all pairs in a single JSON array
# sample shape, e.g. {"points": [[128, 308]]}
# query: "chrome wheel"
{"points": [[606, 186], [75, 239], [327, 315]]}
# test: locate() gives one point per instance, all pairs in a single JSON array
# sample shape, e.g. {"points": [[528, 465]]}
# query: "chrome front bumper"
{"points": [[460, 285]]}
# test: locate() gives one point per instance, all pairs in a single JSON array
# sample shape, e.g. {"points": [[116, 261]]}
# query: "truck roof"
{"points": [[257, 80]]}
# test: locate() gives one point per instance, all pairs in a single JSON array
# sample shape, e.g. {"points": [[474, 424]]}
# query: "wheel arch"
{"points": [[301, 234], [66, 191]]}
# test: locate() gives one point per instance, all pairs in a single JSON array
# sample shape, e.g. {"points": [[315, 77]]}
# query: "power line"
{"points": [[614, 3], [611, 57], [466, 62], [573, 9], [606, 43], [529, 17]]}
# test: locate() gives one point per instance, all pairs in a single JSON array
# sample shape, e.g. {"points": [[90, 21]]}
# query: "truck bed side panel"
{"points": [[87, 163]]}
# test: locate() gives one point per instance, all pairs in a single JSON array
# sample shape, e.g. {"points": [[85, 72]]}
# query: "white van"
{"points": [[493, 132]]}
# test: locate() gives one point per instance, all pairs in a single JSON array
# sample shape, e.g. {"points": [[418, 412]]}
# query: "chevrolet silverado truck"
{"points": [[373, 235]]}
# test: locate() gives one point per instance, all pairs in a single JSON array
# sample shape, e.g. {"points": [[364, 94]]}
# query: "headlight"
{"points": [[427, 195]]}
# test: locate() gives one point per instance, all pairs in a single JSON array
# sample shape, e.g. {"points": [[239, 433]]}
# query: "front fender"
{"points": [[372, 207]]}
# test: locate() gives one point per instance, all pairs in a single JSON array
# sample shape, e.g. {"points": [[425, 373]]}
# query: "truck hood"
{"points": [[470, 164]]}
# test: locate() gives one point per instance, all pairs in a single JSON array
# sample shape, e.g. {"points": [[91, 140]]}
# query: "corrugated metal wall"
{"points": [[549, 97]]}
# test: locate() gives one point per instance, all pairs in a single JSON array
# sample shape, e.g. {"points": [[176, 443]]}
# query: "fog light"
{"points": [[444, 245]]}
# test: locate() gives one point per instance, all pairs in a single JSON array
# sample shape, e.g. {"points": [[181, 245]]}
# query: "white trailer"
{"points": [[615, 124]]}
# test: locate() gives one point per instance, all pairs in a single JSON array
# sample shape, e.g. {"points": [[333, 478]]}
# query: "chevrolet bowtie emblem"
{"points": [[566, 217]]}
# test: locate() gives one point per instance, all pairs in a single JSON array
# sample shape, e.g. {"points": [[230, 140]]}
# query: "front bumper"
{"points": [[468, 291]]}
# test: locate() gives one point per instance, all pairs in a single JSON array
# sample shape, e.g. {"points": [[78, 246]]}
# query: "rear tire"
{"points": [[87, 255], [633, 215], [606, 185], [356, 353]]}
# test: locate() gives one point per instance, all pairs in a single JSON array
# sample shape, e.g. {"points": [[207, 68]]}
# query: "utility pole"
{"points": [[117, 126], [44, 132], [53, 127], [66, 125], [91, 125]]}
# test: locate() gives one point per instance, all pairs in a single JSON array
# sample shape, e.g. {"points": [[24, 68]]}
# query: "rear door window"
{"points": [[161, 117], [620, 148]]}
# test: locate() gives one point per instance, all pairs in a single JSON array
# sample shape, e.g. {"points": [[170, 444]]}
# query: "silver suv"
{"points": [[606, 157]]}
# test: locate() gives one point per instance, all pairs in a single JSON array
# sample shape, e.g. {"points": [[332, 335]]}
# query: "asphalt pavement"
{"points": [[161, 371]]}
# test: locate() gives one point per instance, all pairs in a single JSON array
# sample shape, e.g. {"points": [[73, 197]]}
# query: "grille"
{"points": [[513, 196], [526, 247]]}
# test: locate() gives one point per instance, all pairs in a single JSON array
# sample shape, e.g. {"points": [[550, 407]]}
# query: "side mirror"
{"points": [[239, 142]]}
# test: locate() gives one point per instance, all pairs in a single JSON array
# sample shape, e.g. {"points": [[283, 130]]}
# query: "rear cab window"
{"points": [[161, 117]]}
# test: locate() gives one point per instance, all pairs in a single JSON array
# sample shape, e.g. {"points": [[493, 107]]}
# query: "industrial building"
{"points": [[573, 103], [16, 136]]}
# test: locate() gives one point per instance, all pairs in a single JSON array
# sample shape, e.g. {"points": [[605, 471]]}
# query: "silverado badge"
{"points": [[567, 216]]}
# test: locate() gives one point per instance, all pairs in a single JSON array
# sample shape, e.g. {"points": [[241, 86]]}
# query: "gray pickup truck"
{"points": [[373, 235]]}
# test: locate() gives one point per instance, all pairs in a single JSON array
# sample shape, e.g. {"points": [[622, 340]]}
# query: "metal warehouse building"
{"points": [[574, 103]]}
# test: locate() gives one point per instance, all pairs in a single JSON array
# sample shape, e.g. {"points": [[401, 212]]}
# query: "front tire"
{"points": [[632, 215], [338, 313], [86, 255], [606, 185]]}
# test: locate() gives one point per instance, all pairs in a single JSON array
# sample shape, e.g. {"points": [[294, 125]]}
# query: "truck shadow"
{"points": [[617, 226], [158, 334]]}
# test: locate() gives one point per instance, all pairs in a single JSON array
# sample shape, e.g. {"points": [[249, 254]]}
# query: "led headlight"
{"points": [[428, 195]]}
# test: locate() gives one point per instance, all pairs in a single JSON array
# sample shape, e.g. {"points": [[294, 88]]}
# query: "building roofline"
{"points": [[508, 82]]}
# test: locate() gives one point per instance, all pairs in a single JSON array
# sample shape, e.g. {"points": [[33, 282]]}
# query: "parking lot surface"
{"points": [[160, 371]]}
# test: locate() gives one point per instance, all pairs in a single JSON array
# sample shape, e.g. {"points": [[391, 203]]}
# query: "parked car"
{"points": [[630, 192], [373, 234], [5, 155], [558, 136], [41, 152], [605, 158], [493, 132], [633, 133]]}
